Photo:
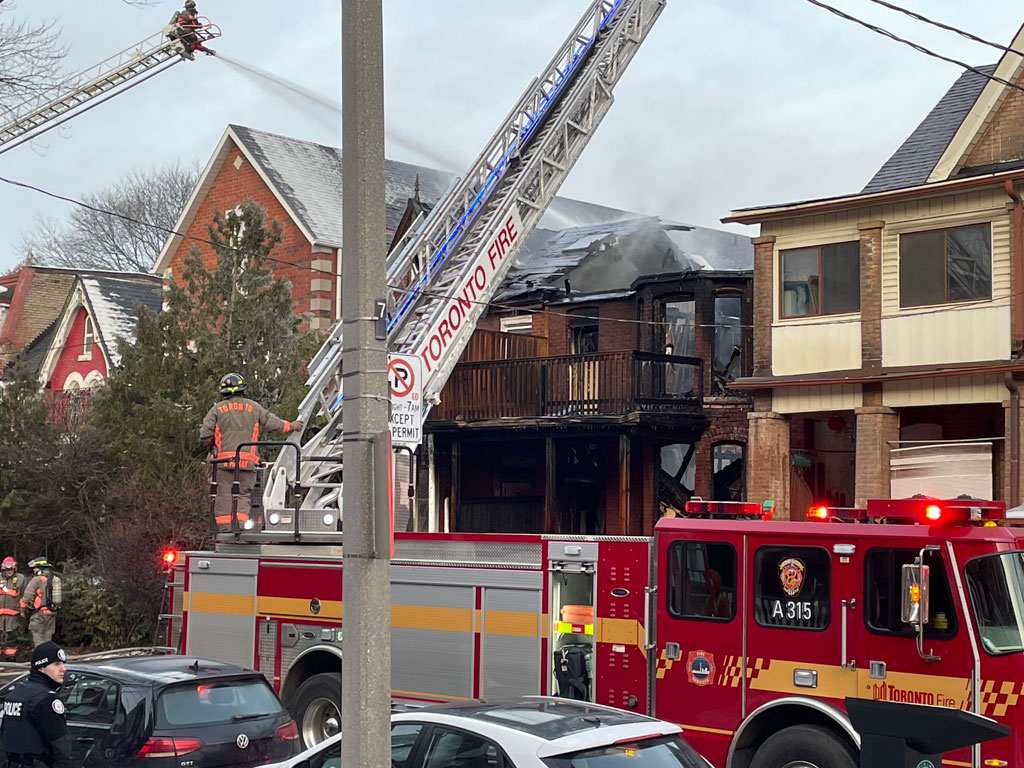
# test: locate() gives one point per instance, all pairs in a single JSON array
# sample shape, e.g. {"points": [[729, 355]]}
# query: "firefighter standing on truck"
{"points": [[12, 587], [34, 729], [41, 600], [228, 424]]}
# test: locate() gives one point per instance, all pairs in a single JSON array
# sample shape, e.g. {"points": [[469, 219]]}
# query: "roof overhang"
{"points": [[874, 377], [828, 204]]}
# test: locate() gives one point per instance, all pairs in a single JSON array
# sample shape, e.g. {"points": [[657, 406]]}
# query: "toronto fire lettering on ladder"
{"points": [[476, 288]]}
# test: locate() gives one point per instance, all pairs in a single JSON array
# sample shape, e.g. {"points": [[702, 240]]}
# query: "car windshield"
{"points": [[204, 703], [996, 584], [662, 752]]}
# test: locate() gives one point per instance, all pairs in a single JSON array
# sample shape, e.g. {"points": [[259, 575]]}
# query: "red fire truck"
{"points": [[751, 634]]}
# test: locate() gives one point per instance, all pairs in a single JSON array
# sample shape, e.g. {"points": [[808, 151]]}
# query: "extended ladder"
{"points": [[447, 268], [155, 54]]}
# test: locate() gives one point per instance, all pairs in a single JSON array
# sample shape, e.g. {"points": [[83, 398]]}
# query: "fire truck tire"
{"points": [[317, 707], [805, 746]]}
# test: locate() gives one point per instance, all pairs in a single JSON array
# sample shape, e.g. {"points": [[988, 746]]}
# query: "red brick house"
{"points": [[889, 323], [30, 300]]}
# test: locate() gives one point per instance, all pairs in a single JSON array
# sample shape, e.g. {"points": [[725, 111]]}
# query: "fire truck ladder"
{"points": [[36, 115], [521, 168]]}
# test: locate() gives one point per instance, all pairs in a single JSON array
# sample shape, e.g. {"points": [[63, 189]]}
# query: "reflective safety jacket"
{"points": [[234, 421], [11, 590], [34, 598]]}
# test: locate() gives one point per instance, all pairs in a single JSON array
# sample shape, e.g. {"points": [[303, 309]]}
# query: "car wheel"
{"points": [[317, 708], [805, 746]]}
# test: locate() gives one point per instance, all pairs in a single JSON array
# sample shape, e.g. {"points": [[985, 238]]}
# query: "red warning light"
{"points": [[818, 513], [933, 512], [170, 557]]}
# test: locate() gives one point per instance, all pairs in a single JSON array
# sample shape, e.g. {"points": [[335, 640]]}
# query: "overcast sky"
{"points": [[730, 103]]}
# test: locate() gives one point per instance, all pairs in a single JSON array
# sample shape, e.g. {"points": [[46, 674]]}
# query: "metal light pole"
{"points": [[366, 616]]}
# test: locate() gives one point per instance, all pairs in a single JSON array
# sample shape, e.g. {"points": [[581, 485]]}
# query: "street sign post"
{"points": [[405, 379]]}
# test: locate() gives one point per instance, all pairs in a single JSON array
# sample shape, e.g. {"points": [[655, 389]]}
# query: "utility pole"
{"points": [[366, 608]]}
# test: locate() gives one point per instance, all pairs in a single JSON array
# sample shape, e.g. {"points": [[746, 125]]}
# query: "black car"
{"points": [[163, 711]]}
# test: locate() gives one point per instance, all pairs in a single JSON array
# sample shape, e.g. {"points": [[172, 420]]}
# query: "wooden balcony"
{"points": [[615, 384]]}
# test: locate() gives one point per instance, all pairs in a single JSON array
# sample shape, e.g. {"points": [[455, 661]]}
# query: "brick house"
{"points": [[31, 297], [889, 323], [593, 397], [299, 184]]}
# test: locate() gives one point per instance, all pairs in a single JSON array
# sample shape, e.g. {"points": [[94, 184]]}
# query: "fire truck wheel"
{"points": [[805, 746], [317, 708]]}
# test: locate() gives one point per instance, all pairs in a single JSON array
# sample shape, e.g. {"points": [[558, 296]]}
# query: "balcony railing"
{"points": [[604, 384]]}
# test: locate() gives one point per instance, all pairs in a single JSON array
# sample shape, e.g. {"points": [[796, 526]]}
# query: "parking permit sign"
{"points": [[405, 378]]}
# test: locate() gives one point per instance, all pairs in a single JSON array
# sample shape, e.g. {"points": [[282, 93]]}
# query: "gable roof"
{"points": [[306, 178], [38, 295], [912, 164]]}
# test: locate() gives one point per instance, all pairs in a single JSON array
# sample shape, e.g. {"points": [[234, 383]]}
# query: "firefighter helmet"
{"points": [[190, 5], [232, 384], [39, 562], [8, 564]]}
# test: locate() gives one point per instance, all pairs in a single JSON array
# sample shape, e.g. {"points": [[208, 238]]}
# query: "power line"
{"points": [[949, 28], [916, 46]]}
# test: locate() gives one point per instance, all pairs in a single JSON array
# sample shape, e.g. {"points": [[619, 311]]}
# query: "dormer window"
{"points": [[88, 336]]}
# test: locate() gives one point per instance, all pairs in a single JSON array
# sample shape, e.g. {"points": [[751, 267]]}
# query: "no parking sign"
{"points": [[405, 378]]}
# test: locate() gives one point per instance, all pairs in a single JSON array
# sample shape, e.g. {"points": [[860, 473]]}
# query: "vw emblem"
{"points": [[242, 741]]}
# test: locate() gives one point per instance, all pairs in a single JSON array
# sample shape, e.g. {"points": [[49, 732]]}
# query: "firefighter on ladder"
{"points": [[185, 24], [228, 424], [12, 587]]}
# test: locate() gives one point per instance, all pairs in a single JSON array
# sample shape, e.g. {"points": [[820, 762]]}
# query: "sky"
{"points": [[729, 103]]}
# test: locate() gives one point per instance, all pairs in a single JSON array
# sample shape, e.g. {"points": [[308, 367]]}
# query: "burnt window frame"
{"points": [[671, 590], [743, 458], [945, 265], [789, 551], [821, 263]]}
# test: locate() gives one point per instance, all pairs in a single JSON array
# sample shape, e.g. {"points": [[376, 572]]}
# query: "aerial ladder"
{"points": [[92, 87], [446, 268]]}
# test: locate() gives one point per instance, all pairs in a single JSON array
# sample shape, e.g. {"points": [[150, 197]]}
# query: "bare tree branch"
{"points": [[30, 58], [88, 239]]}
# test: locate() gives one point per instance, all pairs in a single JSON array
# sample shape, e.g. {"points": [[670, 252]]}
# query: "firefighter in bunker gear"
{"points": [[184, 24], [229, 423], [34, 731], [37, 601], [12, 587]]}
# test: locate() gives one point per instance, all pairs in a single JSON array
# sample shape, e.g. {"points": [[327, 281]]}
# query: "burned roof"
{"points": [[309, 177]]}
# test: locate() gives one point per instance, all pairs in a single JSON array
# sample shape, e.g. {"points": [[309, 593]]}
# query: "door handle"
{"points": [[85, 740]]}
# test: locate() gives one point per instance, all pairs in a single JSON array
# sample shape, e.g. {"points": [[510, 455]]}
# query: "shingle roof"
{"points": [[113, 302], [309, 177], [916, 158]]}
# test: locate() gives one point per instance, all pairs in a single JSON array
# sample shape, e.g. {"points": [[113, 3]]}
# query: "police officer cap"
{"points": [[47, 653]]}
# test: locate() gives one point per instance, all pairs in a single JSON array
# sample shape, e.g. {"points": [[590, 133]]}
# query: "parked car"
{"points": [[163, 711], [528, 732]]}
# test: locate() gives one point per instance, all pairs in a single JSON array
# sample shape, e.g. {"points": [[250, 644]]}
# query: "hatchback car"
{"points": [[529, 732], [163, 711]]}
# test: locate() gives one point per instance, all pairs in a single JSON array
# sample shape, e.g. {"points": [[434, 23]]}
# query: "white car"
{"points": [[528, 732]]}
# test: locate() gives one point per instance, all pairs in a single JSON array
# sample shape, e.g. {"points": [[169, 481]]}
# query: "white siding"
{"points": [[962, 335], [839, 397], [951, 390], [814, 347]]}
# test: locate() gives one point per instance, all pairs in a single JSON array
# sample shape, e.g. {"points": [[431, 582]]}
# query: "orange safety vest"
{"points": [[10, 594]]}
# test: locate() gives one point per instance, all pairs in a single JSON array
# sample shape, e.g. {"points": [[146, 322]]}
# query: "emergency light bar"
{"points": [[825, 513], [937, 511], [697, 507]]}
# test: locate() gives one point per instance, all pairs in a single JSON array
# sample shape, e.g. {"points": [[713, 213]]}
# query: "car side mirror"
{"points": [[914, 609]]}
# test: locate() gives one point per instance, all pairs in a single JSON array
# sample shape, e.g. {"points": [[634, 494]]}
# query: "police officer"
{"points": [[33, 730], [229, 423]]}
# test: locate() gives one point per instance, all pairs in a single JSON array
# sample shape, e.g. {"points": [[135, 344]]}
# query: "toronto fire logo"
{"points": [[791, 574], [700, 668]]}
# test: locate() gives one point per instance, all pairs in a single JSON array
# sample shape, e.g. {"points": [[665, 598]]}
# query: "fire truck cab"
{"points": [[749, 633]]}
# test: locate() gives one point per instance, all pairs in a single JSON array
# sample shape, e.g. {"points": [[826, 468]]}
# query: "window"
{"points": [[522, 324], [792, 587], [883, 596], [996, 584], [823, 280], [727, 363], [583, 331], [659, 752], [88, 336], [728, 475], [946, 265], [403, 739], [90, 699], [459, 749], [701, 580], [680, 338], [217, 702]]}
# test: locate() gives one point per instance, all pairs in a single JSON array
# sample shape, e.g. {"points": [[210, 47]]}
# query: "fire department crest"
{"points": [[791, 575], [700, 668]]}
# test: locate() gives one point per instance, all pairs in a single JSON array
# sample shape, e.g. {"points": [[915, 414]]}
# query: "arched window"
{"points": [[728, 472], [88, 336]]}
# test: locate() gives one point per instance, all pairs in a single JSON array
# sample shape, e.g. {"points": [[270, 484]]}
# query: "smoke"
{"points": [[329, 111]]}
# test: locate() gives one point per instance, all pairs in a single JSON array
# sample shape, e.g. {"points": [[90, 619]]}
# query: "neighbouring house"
{"points": [[30, 299], [79, 348], [593, 396], [299, 184], [889, 323]]}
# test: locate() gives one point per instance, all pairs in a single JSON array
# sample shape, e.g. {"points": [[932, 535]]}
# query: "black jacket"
{"points": [[34, 723]]}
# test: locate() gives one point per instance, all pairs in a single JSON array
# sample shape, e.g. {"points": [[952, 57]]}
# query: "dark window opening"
{"points": [[727, 364], [701, 580], [823, 280], [728, 472], [946, 265], [676, 477], [883, 594], [792, 587]]}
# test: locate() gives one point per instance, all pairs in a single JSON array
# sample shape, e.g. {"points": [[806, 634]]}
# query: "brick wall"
{"points": [[1004, 138], [312, 275], [871, 293], [768, 463], [612, 336], [764, 257], [728, 424]]}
